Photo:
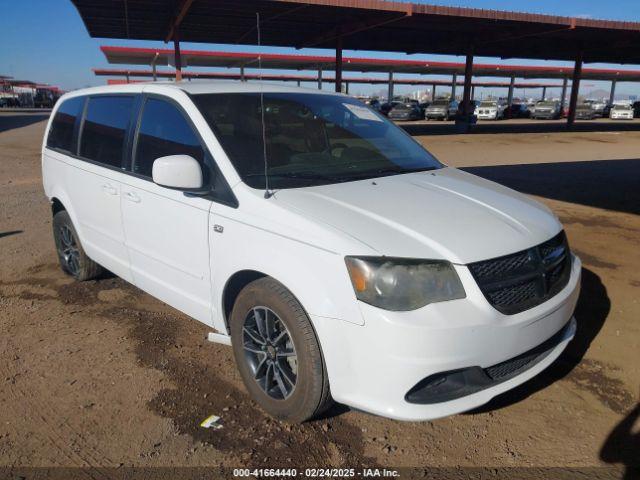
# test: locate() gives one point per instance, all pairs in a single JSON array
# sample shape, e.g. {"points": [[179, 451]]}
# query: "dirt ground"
{"points": [[100, 375]]}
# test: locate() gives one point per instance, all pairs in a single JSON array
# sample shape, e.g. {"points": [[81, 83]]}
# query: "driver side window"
{"points": [[164, 131]]}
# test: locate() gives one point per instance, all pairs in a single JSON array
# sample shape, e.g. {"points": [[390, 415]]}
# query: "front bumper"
{"points": [[373, 367]]}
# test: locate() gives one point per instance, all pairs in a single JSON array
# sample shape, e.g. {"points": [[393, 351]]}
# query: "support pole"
{"points": [[127, 76], [575, 89], [339, 64], [242, 79], [466, 96], [563, 97], [390, 90], [433, 93], [346, 86], [612, 96], [511, 87], [454, 84], [298, 82], [473, 92], [176, 52], [544, 93], [153, 66], [320, 78]]}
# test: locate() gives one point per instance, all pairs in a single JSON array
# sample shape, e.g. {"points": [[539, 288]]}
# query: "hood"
{"points": [[444, 214]]}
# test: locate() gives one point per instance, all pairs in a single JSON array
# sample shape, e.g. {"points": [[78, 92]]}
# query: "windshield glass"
{"points": [[622, 107], [488, 104], [440, 103], [546, 104], [311, 139]]}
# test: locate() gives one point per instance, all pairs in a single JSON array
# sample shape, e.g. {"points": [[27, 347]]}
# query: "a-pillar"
{"points": [[390, 88], [242, 79], [320, 78], [433, 93], [575, 89], [544, 93]]}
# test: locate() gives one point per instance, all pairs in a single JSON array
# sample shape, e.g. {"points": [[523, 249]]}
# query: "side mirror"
{"points": [[179, 172]]}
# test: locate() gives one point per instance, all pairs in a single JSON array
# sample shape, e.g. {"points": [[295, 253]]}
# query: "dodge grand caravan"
{"points": [[338, 258]]}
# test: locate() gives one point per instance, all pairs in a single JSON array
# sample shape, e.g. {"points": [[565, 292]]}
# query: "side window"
{"points": [[164, 131], [105, 129], [63, 124]]}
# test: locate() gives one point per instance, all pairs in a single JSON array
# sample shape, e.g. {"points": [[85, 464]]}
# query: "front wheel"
{"points": [[73, 259], [277, 352]]}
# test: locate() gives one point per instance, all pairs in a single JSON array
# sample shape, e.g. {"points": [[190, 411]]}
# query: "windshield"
{"points": [[488, 104], [546, 104], [311, 139], [622, 107], [440, 103]]}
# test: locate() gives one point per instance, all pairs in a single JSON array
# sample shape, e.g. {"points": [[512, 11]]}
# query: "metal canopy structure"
{"points": [[369, 25], [128, 74], [201, 58], [365, 25]]}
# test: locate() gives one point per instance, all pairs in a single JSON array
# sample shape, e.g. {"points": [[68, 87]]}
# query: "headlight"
{"points": [[402, 284]]}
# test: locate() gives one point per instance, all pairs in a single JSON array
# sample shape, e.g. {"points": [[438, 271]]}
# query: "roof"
{"points": [[195, 88], [366, 25], [225, 59], [102, 72]]}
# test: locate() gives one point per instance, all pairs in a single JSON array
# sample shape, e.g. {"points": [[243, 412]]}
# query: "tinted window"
{"points": [[164, 131], [61, 132], [105, 128], [309, 139]]}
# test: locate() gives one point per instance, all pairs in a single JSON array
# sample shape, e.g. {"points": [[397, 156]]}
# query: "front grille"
{"points": [[520, 281]]}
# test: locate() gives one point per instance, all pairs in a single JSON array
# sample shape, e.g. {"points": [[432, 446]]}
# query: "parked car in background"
{"points": [[600, 107], [406, 111], [386, 107], [441, 109], [621, 112], [253, 209], [375, 104], [491, 110], [547, 110], [636, 109], [517, 110], [585, 111]]}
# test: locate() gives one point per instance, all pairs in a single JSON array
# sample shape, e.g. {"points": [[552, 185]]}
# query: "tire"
{"points": [[72, 257], [309, 395]]}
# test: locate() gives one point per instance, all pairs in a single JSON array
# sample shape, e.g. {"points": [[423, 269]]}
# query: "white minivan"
{"points": [[338, 257]]}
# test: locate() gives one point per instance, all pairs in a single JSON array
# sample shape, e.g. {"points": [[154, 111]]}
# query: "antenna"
{"points": [[267, 192]]}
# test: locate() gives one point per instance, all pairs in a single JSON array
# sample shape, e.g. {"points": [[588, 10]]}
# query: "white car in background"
{"points": [[491, 110], [621, 112], [336, 255]]}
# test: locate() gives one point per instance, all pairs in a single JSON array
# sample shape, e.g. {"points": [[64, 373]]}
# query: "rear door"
{"points": [[167, 230], [93, 176]]}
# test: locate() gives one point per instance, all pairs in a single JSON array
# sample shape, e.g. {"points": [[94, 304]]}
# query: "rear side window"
{"points": [[164, 131], [63, 124], [105, 128]]}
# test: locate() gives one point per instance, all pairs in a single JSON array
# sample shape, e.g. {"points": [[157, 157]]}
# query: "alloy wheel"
{"points": [[69, 250], [269, 352]]}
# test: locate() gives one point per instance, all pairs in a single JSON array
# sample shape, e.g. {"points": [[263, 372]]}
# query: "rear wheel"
{"points": [[73, 259], [277, 352]]}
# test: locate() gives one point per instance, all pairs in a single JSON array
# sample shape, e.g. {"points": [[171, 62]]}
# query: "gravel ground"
{"points": [[99, 375]]}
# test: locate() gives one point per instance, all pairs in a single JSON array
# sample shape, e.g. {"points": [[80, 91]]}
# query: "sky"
{"points": [[45, 41]]}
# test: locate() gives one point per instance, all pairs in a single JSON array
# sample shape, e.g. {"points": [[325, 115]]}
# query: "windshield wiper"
{"points": [[381, 172]]}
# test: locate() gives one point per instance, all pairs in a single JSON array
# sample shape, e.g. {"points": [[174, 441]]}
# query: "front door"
{"points": [[166, 231]]}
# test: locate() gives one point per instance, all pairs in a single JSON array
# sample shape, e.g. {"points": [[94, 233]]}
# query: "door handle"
{"points": [[109, 189], [132, 197]]}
